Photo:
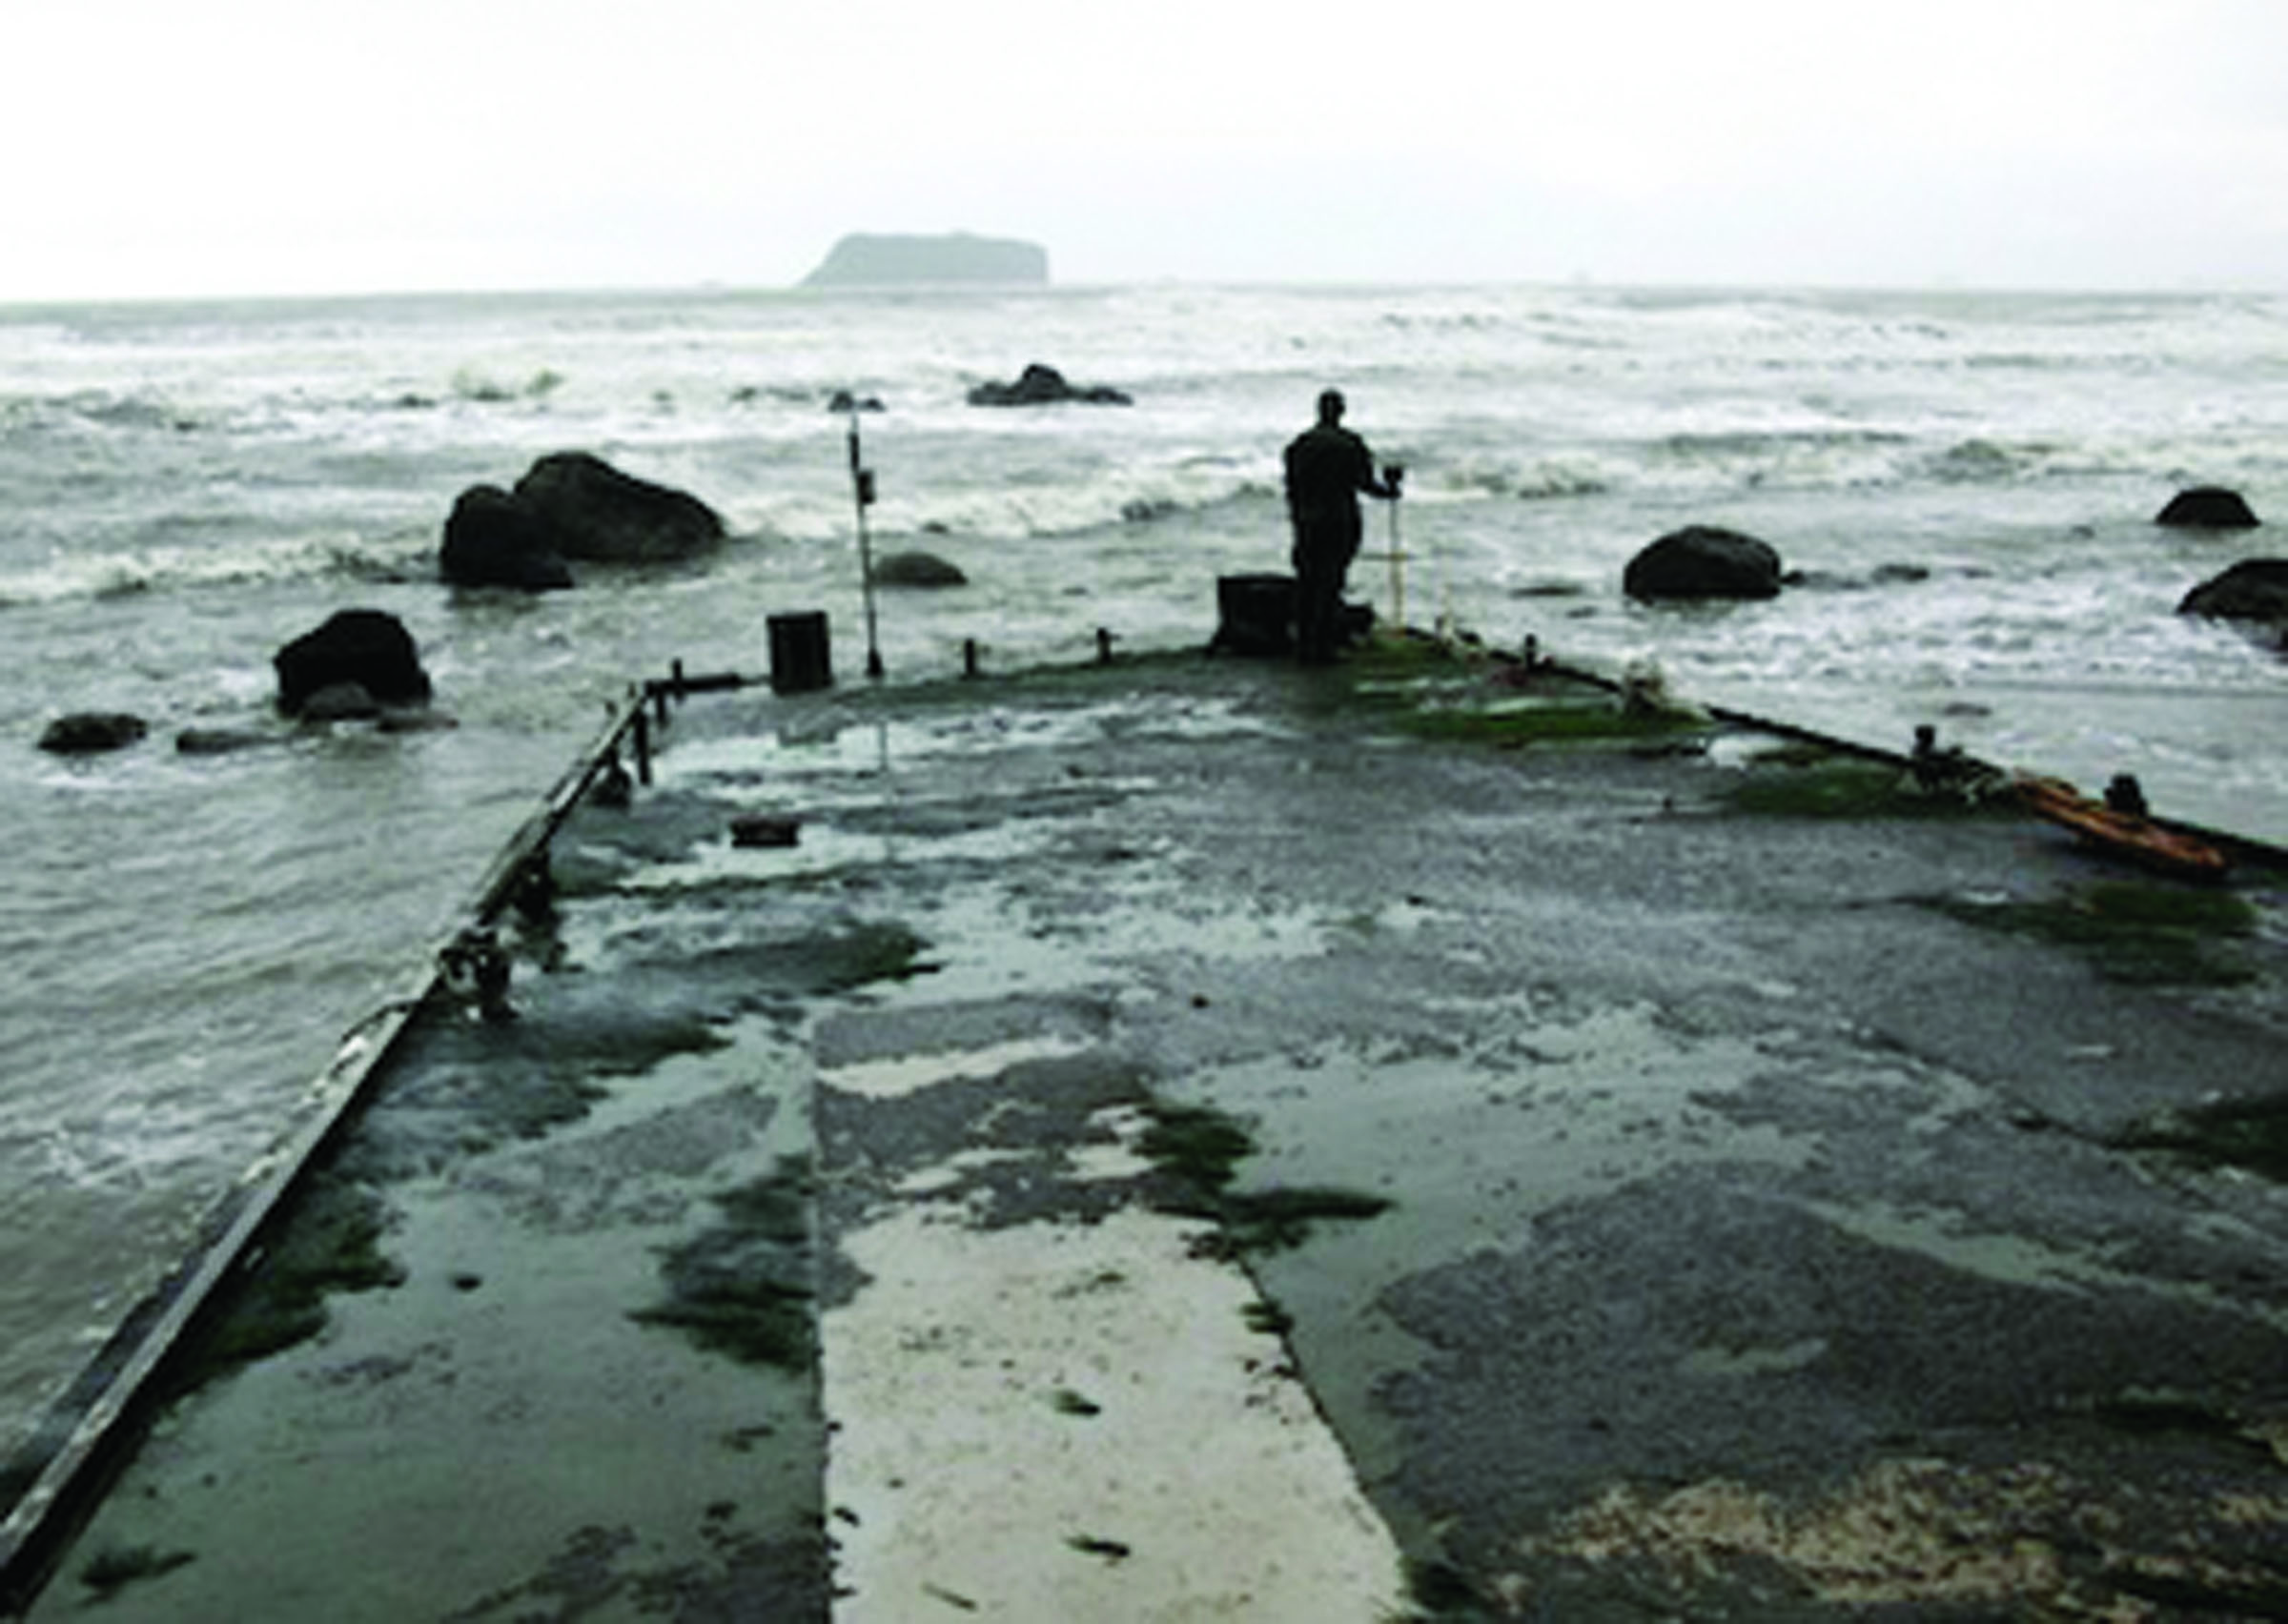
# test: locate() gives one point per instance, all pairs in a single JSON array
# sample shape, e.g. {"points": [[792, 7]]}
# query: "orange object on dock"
{"points": [[2123, 834]]}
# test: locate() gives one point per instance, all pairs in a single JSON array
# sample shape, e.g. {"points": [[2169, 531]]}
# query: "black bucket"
{"points": [[1255, 614], [800, 661]]}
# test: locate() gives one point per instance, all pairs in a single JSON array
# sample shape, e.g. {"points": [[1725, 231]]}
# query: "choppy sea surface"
{"points": [[1967, 481]]}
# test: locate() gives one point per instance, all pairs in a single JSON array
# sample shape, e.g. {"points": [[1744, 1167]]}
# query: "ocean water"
{"points": [[1967, 479]]}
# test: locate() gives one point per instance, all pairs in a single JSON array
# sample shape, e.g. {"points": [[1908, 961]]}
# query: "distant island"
{"points": [[862, 260]]}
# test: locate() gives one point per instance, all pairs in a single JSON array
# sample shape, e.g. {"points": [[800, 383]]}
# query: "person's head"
{"points": [[1330, 405]]}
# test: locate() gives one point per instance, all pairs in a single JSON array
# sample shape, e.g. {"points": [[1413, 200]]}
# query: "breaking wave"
{"points": [[102, 575]]}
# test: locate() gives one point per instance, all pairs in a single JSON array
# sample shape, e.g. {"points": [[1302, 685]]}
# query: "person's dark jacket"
{"points": [[1327, 467]]}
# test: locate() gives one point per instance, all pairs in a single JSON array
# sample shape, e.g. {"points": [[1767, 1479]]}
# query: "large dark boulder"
{"points": [[365, 648], [494, 538], [595, 512], [89, 733], [1704, 560], [1041, 385], [2207, 507], [2254, 589], [224, 740]]}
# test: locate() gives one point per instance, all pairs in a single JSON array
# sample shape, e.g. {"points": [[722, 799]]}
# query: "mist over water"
{"points": [[1967, 480]]}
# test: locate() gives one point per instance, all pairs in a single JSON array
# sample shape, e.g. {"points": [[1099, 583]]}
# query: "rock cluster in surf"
{"points": [[1041, 385], [570, 506]]}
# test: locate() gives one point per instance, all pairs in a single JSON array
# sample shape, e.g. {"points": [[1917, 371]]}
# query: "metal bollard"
{"points": [[799, 658]]}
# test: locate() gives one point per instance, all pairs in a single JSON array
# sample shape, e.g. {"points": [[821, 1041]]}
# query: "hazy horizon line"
{"points": [[719, 286]]}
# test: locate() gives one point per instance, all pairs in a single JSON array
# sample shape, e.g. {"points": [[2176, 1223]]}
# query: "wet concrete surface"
{"points": [[1761, 1241]]}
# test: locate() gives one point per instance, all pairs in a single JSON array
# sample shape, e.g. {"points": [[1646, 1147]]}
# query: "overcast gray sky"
{"points": [[195, 147]]}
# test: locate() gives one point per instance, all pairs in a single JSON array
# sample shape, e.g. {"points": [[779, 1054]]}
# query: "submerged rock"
{"points": [[1704, 560], [2254, 589], [89, 733], [369, 648], [918, 569], [593, 511], [1041, 385], [422, 721], [340, 702], [754, 829], [2207, 507], [223, 740], [1882, 574]]}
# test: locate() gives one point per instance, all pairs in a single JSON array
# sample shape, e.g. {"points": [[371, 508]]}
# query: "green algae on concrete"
{"points": [[1197, 1143], [329, 1241], [113, 1569], [465, 1086], [1513, 723], [1281, 1217], [1806, 782], [1202, 1147], [2130, 930], [1455, 690], [742, 1288]]}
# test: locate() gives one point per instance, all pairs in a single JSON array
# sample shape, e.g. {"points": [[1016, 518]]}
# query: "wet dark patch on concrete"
{"points": [[854, 954], [463, 1085], [565, 1030], [1440, 1590], [2130, 930], [2251, 1133], [600, 847], [958, 1029], [1283, 1217], [1200, 1149], [328, 1240], [602, 1569], [115, 1567], [1199, 1143], [1028, 1115], [923, 817], [742, 1288]]}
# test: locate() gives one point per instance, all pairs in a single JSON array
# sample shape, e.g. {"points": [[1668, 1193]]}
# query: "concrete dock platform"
{"points": [[1193, 1138]]}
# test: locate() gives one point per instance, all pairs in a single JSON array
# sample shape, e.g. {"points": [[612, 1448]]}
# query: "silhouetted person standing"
{"points": [[1327, 467]]}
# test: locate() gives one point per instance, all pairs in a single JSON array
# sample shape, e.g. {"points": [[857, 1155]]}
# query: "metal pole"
{"points": [[862, 482], [1398, 572], [1445, 602]]}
